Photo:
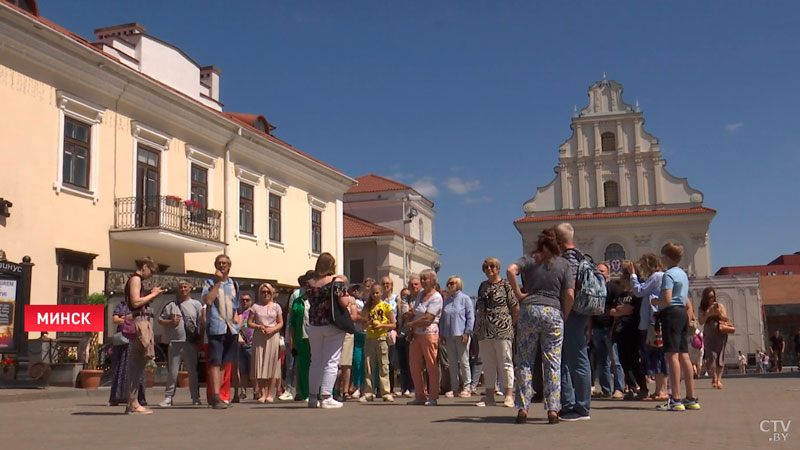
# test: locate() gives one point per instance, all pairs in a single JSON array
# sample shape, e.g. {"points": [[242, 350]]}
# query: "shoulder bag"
{"points": [[725, 327], [340, 316]]}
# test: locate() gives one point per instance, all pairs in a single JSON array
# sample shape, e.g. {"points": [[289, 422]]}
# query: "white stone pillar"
{"points": [[640, 182], [620, 140], [579, 138], [598, 177], [637, 135], [624, 189], [598, 148], [657, 173], [566, 194], [583, 198]]}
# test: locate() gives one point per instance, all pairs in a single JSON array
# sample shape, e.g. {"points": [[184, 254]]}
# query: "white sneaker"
{"points": [[356, 394], [407, 394], [388, 398], [363, 399], [286, 396], [166, 403], [331, 403]]}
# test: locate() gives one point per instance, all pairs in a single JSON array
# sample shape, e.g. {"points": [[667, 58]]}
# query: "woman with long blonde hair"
{"points": [[654, 360]]}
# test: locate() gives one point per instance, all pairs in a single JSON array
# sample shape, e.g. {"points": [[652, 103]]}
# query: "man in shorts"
{"points": [[221, 296]]}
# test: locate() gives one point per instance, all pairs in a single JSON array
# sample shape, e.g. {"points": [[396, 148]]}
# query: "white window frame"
{"points": [[315, 204], [279, 189], [203, 159], [153, 140], [91, 114], [252, 178]]}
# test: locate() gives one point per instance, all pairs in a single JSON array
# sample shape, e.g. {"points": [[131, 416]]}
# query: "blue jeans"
{"points": [[607, 359], [576, 373]]}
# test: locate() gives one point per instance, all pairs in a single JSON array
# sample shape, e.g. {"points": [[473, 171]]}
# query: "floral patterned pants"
{"points": [[539, 324]]}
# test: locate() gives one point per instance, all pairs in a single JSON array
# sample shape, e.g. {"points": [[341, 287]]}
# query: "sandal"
{"points": [[522, 417], [140, 410], [552, 417]]}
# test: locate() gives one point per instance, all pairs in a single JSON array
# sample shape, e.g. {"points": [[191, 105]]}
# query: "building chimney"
{"points": [[209, 77], [123, 31]]}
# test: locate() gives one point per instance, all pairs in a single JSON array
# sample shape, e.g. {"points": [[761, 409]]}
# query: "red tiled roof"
{"points": [[660, 212], [97, 48], [376, 183], [357, 228]]}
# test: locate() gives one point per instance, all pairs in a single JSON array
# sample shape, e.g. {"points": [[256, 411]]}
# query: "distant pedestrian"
{"points": [[777, 346], [326, 339], [496, 313], [379, 319], [221, 296], [182, 318], [141, 344], [675, 329], [711, 314], [455, 329], [742, 363], [546, 297], [423, 327]]}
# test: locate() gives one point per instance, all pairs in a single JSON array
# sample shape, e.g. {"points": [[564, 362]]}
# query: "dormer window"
{"points": [[608, 142], [261, 125], [27, 5]]}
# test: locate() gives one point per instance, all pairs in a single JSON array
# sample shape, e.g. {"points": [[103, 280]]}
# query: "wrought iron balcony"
{"points": [[166, 215]]}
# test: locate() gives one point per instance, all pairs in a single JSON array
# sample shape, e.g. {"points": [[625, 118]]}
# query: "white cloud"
{"points": [[462, 187], [426, 187], [733, 127], [475, 200]]}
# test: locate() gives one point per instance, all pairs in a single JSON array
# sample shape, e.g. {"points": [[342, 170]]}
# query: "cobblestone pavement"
{"points": [[731, 419]]}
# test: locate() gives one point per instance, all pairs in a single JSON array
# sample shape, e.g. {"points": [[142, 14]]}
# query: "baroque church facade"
{"points": [[611, 184]]}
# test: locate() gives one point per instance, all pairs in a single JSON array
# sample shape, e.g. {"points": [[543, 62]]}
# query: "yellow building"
{"points": [[119, 148]]}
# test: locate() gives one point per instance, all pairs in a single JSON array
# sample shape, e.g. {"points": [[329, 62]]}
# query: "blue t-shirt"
{"points": [[676, 279]]}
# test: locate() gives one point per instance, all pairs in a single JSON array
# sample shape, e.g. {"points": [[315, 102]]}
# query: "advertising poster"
{"points": [[8, 298]]}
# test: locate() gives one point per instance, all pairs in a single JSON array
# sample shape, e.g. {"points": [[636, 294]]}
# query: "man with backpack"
{"points": [[576, 372], [182, 319]]}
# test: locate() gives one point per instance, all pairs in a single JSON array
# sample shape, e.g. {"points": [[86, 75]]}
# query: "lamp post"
{"points": [[407, 218]]}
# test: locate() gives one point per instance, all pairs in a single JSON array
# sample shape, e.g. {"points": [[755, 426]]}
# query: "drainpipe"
{"points": [[226, 190]]}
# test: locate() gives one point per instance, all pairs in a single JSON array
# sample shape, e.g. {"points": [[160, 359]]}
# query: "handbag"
{"points": [[119, 339], [340, 316], [725, 327], [654, 337], [128, 329]]}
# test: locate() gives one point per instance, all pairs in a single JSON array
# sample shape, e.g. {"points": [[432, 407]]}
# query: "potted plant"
{"points": [[7, 369], [150, 373], [91, 374], [173, 200]]}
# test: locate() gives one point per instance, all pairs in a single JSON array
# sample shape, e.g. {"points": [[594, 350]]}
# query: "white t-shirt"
{"points": [[432, 305]]}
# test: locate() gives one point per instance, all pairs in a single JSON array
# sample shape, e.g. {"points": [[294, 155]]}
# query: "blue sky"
{"points": [[469, 101]]}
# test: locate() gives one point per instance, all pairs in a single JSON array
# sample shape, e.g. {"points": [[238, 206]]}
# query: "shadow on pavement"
{"points": [[86, 413]]}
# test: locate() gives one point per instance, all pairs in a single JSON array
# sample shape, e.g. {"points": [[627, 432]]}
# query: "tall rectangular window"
{"points": [[76, 153], [356, 271], [316, 230], [274, 218], [200, 185], [73, 279], [245, 208]]}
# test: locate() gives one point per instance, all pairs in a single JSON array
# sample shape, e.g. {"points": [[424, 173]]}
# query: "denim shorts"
{"points": [[245, 356], [222, 348]]}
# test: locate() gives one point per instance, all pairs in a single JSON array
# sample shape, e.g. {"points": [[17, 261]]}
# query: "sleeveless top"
{"points": [[143, 310], [319, 299]]}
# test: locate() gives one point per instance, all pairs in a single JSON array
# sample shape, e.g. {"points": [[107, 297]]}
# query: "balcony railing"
{"points": [[167, 213]]}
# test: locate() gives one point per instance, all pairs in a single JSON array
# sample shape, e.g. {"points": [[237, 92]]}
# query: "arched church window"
{"points": [[614, 251], [611, 193], [608, 142]]}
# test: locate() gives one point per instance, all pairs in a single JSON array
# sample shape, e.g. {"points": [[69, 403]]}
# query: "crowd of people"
{"points": [[523, 338]]}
